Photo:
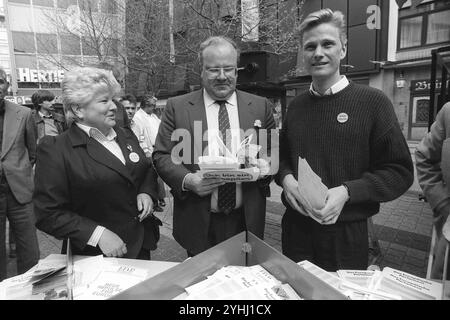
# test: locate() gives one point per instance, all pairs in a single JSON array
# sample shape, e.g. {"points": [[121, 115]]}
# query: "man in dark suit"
{"points": [[18, 154], [207, 212]]}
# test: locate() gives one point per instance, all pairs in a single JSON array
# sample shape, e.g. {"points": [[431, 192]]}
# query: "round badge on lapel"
{"points": [[134, 157], [342, 117]]}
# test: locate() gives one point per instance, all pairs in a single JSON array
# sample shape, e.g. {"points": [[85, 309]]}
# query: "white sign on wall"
{"points": [[33, 75]]}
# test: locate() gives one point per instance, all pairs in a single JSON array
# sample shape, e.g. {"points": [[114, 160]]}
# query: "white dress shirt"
{"points": [[212, 117], [335, 88], [148, 125], [110, 143]]}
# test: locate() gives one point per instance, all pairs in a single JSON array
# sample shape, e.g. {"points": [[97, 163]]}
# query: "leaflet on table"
{"points": [[351, 290], [240, 283], [363, 278], [408, 286], [112, 280]]}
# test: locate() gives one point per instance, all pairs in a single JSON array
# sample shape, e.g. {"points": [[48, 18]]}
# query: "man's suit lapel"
{"points": [[11, 125], [99, 153], [197, 112], [246, 114]]}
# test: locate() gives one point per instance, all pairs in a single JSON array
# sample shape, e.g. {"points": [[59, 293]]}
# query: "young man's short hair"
{"points": [[40, 96], [130, 97], [316, 18]]}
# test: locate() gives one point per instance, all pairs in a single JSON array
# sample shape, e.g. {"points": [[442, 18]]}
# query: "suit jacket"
{"points": [[433, 160], [191, 212], [59, 121], [18, 150], [80, 185]]}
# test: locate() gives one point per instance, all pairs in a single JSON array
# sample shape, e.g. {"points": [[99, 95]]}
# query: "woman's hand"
{"points": [[111, 244], [145, 205]]}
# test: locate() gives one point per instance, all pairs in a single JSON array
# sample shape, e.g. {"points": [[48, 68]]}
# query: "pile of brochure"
{"points": [[226, 165], [94, 278], [389, 284], [240, 283]]}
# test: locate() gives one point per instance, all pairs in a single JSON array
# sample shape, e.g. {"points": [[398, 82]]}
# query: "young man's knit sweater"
{"points": [[367, 152]]}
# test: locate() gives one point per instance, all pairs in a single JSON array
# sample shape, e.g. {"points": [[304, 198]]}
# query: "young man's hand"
{"points": [[290, 187], [336, 199]]}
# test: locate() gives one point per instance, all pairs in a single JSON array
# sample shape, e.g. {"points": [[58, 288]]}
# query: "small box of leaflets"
{"points": [[242, 267]]}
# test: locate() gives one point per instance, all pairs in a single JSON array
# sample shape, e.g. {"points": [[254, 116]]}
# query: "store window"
{"points": [[64, 4], [23, 42], [109, 6], [43, 3], [89, 47], [427, 23], [46, 43], [410, 32], [421, 107], [88, 5], [70, 45], [20, 1], [438, 29]]}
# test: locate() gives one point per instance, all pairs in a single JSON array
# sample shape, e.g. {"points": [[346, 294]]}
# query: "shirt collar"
{"points": [[44, 116], [232, 100], [97, 134], [335, 88]]}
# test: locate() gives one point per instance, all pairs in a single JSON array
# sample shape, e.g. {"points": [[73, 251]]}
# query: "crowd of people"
{"points": [[99, 173]]}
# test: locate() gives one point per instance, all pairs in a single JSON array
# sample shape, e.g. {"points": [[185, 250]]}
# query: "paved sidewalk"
{"points": [[403, 228]]}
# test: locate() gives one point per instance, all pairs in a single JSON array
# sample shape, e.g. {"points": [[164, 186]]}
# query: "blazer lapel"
{"points": [[245, 110], [11, 124], [123, 144], [98, 152], [197, 113]]}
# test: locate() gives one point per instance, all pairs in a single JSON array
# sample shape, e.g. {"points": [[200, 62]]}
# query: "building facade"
{"points": [[48, 37]]}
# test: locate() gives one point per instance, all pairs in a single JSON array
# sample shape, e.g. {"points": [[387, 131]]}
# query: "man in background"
{"points": [[18, 154], [48, 122], [145, 125]]}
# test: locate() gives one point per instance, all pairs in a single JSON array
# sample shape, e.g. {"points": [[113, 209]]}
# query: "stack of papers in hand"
{"points": [[310, 187], [241, 283], [225, 165]]}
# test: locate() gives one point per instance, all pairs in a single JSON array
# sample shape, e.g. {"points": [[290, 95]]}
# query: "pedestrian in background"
{"points": [[18, 155], [48, 122], [433, 173], [148, 122]]}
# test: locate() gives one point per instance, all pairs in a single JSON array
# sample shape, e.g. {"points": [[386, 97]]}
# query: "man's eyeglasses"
{"points": [[216, 71]]}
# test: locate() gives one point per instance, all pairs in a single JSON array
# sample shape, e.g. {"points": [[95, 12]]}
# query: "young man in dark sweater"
{"points": [[350, 136]]}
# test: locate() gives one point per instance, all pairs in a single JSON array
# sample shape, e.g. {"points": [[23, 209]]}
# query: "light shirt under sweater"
{"points": [[335, 88]]}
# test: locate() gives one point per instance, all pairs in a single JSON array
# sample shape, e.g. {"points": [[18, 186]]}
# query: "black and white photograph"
{"points": [[220, 154]]}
